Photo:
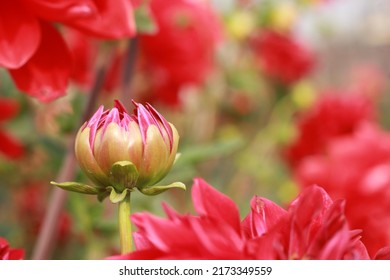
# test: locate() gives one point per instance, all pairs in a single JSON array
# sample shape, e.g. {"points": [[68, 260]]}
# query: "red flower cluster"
{"points": [[9, 145], [281, 57], [7, 253], [356, 168], [180, 53], [334, 114], [313, 227], [33, 50]]}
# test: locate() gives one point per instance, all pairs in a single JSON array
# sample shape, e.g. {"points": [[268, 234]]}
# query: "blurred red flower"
{"points": [[33, 50], [181, 51], [30, 202], [368, 79], [84, 52], [281, 57], [356, 168], [7, 253], [11, 147], [335, 114], [313, 227]]}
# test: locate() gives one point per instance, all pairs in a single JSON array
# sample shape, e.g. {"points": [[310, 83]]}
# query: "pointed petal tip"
{"points": [[119, 105]]}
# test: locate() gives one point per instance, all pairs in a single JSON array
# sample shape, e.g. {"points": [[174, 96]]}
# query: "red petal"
{"points": [[62, 10], [310, 206], [10, 146], [114, 20], [46, 75], [84, 53], [210, 202], [263, 216], [19, 35], [152, 254], [159, 232], [16, 254], [383, 254], [8, 108]]}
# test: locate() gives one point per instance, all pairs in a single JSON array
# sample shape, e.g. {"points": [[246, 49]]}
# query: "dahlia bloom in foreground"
{"points": [[281, 57], [33, 50], [7, 253], [11, 147], [356, 168], [120, 152], [313, 227]]}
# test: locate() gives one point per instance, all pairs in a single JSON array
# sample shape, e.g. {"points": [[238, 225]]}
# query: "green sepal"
{"points": [[154, 190], [76, 187], [117, 197], [103, 194], [123, 175]]}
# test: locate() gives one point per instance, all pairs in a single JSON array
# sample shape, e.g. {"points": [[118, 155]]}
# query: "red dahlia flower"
{"points": [[7, 253], [9, 145], [356, 168], [180, 53], [333, 115], [313, 227], [33, 50], [281, 57]]}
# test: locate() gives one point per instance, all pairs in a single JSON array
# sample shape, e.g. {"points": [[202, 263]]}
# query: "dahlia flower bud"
{"points": [[120, 152]]}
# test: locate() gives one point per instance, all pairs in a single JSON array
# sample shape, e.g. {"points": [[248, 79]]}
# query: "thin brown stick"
{"points": [[128, 70], [48, 234]]}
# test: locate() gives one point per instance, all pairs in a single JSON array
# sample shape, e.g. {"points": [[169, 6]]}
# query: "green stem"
{"points": [[125, 225]]}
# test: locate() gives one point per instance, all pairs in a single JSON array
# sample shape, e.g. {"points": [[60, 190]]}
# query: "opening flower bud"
{"points": [[124, 151]]}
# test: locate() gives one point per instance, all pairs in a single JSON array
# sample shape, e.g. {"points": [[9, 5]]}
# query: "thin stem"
{"points": [[125, 232], [48, 233]]}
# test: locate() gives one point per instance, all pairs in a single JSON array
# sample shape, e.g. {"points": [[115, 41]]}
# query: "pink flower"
{"points": [[33, 50], [313, 227], [356, 168], [181, 51], [10, 146], [7, 253], [335, 114], [281, 57]]}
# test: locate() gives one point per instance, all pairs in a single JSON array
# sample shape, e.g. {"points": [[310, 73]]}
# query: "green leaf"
{"points": [[194, 154], [154, 190], [76, 187], [144, 20], [117, 197], [123, 175]]}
